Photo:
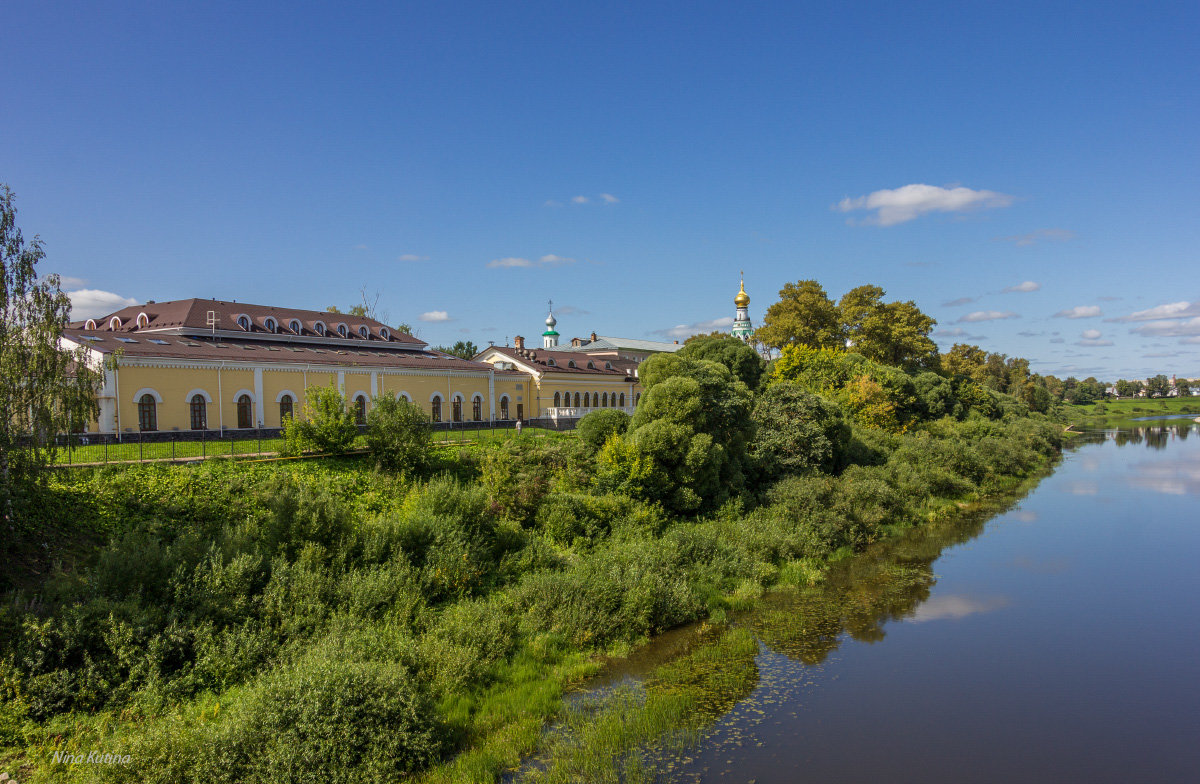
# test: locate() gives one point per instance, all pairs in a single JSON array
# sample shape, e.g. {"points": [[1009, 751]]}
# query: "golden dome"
{"points": [[742, 299]]}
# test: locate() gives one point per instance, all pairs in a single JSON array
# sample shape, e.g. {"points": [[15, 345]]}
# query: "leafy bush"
{"points": [[741, 359], [797, 432], [595, 428], [327, 425], [398, 434]]}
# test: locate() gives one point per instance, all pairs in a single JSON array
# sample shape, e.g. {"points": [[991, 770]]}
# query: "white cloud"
{"points": [[513, 262], [1173, 310], [608, 198], [960, 301], [412, 257], [92, 303], [551, 260], [1094, 342], [951, 332], [1033, 237], [1080, 311], [579, 200], [66, 283], [682, 331], [1090, 334], [987, 315], [508, 262], [1169, 328], [435, 315], [911, 201], [1027, 286]]}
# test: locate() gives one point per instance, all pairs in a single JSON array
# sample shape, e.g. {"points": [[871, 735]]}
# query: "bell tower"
{"points": [[550, 337], [743, 329]]}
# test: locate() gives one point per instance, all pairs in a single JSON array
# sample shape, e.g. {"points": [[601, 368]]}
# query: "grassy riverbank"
{"points": [[1130, 411], [215, 633]]}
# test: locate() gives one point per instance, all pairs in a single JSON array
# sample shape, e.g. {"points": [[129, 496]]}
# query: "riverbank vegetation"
{"points": [[1130, 412], [367, 620]]}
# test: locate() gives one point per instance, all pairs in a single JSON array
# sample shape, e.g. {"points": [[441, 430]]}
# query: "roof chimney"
{"points": [[519, 341], [676, 342], [594, 338], [576, 342]]}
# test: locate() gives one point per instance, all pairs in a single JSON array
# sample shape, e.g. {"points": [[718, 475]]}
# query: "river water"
{"points": [[1056, 641]]}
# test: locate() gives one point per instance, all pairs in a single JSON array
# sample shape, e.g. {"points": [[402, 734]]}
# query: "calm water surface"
{"points": [[1058, 641]]}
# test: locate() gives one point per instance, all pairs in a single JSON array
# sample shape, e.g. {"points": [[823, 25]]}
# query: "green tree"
{"points": [[742, 360], [1128, 388], [687, 446], [45, 388], [1184, 386], [797, 432], [804, 315], [894, 333], [398, 434], [1158, 386], [597, 427], [327, 425], [463, 348]]}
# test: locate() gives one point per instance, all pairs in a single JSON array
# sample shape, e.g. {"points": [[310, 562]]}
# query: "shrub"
{"points": [[797, 432], [398, 434], [327, 426], [596, 428]]}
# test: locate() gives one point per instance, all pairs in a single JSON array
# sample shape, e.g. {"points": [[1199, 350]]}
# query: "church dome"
{"points": [[742, 299]]}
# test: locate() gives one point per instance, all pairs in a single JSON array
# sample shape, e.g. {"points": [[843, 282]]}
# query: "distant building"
{"points": [[743, 328]]}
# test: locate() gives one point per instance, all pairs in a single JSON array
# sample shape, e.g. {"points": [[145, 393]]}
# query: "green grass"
{"points": [[132, 452], [1125, 411]]}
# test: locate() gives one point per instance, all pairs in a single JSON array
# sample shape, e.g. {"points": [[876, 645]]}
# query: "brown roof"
{"points": [[149, 345], [540, 358], [190, 315]]}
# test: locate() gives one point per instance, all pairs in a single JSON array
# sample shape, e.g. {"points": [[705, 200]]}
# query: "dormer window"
{"points": [[244, 322], [143, 320], [550, 362], [271, 325], [90, 324], [608, 366], [591, 365], [343, 330], [364, 331], [385, 333], [571, 363], [296, 327], [319, 328], [114, 323]]}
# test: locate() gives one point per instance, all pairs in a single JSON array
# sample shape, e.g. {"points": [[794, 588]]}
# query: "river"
{"points": [[1054, 641]]}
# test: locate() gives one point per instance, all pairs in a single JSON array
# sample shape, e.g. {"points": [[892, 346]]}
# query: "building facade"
{"points": [[209, 365]]}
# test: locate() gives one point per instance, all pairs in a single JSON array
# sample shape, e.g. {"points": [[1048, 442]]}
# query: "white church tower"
{"points": [[743, 329], [550, 337]]}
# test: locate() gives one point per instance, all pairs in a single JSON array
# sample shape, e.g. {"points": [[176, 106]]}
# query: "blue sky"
{"points": [[997, 163]]}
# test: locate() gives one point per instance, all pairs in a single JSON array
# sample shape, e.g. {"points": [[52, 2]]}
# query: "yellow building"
{"points": [[205, 365]]}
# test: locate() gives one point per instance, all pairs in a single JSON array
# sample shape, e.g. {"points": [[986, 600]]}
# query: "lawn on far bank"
{"points": [[1131, 411]]}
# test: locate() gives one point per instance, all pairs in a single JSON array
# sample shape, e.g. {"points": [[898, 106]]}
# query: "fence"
{"points": [[102, 448]]}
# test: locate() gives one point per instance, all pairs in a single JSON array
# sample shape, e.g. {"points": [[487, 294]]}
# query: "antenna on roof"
{"points": [[212, 320]]}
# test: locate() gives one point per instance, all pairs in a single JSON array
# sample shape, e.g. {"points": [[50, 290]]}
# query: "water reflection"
{"points": [[941, 608], [1154, 437], [1178, 478]]}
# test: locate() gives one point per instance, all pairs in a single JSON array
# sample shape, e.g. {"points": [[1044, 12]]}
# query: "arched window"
{"points": [[435, 409], [604, 400], [504, 405], [385, 333], [319, 328], [271, 324], [404, 396], [456, 409], [285, 409], [245, 411], [199, 412], [637, 398], [147, 413], [343, 330], [114, 323], [622, 400], [557, 399], [477, 408], [576, 400], [571, 363], [244, 322], [591, 365], [608, 366], [360, 410], [364, 331], [89, 324], [587, 401], [550, 362], [612, 400], [296, 327], [143, 320]]}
